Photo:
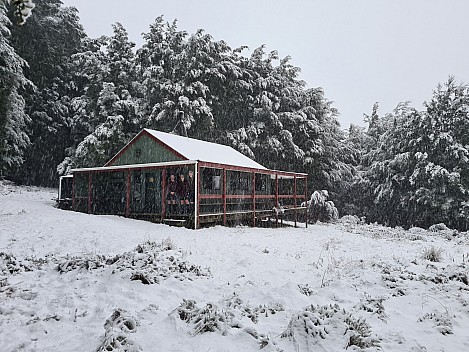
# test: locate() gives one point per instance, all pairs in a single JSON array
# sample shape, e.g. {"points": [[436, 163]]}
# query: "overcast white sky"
{"points": [[359, 51]]}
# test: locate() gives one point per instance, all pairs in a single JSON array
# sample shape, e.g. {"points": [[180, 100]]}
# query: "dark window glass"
{"points": [[138, 153]]}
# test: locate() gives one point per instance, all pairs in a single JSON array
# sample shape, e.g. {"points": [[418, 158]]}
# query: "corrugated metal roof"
{"points": [[194, 149]]}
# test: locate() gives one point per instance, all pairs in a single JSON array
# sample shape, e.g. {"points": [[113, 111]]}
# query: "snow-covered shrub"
{"points": [[262, 339], [144, 278], [373, 305], [153, 262], [235, 303], [320, 209], [207, 319], [311, 322], [165, 245], [314, 324], [417, 234], [395, 278], [5, 287], [350, 220], [116, 338], [456, 273], [442, 322], [149, 263], [122, 320], [438, 227], [359, 333], [9, 264], [417, 230], [186, 309], [85, 262], [230, 313], [442, 230], [433, 254], [305, 289], [459, 276]]}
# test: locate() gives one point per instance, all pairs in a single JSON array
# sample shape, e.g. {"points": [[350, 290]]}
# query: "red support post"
{"points": [[73, 194], [294, 194], [163, 194], [127, 196], [253, 199], [306, 201], [276, 200], [224, 196], [194, 204], [89, 193], [197, 218]]}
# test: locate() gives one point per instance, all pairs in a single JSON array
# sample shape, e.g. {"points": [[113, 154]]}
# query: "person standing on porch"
{"points": [[171, 191], [182, 192]]}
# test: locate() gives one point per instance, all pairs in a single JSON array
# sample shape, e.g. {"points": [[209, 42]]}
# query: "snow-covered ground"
{"points": [[78, 282]]}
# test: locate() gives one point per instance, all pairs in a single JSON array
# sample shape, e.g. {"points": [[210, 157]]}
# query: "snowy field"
{"points": [[78, 282]]}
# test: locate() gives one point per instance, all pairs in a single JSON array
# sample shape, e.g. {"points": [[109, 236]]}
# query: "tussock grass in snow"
{"points": [[149, 263], [373, 305], [433, 254], [119, 326], [329, 321], [229, 314], [441, 321]]}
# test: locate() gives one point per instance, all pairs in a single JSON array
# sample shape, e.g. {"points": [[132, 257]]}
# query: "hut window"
{"points": [[211, 179], [138, 153], [216, 181]]}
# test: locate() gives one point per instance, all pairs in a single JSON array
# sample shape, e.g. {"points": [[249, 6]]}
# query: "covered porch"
{"points": [[223, 194]]}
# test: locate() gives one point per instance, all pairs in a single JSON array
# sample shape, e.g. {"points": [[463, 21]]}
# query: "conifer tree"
{"points": [[107, 113], [49, 58], [417, 175], [13, 119]]}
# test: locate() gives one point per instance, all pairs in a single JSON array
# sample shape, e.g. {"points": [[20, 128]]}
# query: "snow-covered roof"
{"points": [[194, 149]]}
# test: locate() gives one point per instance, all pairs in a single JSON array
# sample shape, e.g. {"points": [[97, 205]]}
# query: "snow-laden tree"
{"points": [[321, 209], [273, 89], [440, 149], [121, 68], [286, 126], [417, 175], [180, 76], [121, 90], [196, 86], [107, 76], [157, 62], [98, 147], [13, 119], [89, 74], [187, 84], [109, 136], [47, 41]]}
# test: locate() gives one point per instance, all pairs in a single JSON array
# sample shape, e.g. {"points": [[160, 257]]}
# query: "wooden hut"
{"points": [[227, 186]]}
